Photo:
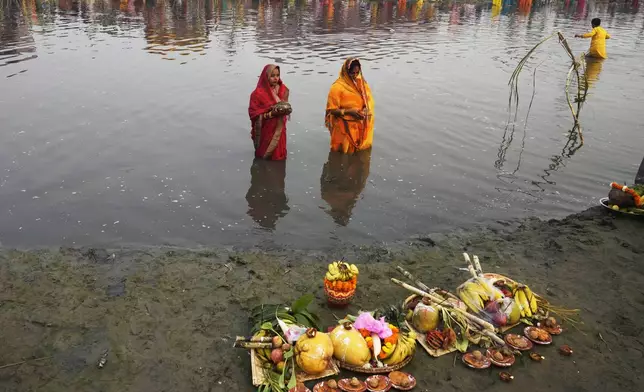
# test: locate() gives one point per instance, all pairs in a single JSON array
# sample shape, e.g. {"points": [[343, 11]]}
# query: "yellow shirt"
{"points": [[598, 42]]}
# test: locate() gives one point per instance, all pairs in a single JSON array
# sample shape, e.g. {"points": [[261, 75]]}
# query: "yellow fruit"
{"points": [[513, 311], [525, 305], [349, 346], [615, 207], [313, 352], [532, 300], [405, 347], [387, 349]]}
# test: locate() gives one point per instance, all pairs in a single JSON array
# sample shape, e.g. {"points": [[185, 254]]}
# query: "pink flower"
{"points": [[366, 321]]}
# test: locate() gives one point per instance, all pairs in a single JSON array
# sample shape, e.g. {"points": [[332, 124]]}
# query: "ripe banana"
{"points": [[339, 270], [405, 347], [517, 300], [523, 303], [532, 299], [386, 350], [471, 297], [478, 289], [399, 354]]}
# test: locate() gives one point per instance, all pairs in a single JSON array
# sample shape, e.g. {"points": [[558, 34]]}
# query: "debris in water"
{"points": [[103, 360]]}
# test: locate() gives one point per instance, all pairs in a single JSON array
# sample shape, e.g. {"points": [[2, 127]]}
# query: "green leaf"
{"points": [[292, 383], [527, 321], [281, 380], [311, 316], [303, 321], [461, 345], [288, 354], [286, 317], [302, 303], [267, 325]]}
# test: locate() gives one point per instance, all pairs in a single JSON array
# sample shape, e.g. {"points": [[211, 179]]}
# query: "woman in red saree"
{"points": [[268, 128]]}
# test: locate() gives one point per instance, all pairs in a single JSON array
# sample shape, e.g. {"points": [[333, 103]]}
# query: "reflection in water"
{"points": [[267, 201], [593, 69], [496, 8], [343, 180], [16, 42], [574, 141], [178, 28]]}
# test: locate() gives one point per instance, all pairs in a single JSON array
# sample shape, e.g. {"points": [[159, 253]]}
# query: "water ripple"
{"points": [[135, 111]]}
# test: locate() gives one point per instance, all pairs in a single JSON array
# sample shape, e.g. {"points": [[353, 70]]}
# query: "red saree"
{"points": [[268, 134]]}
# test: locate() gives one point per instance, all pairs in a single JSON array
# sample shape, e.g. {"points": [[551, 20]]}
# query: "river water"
{"points": [[126, 122]]}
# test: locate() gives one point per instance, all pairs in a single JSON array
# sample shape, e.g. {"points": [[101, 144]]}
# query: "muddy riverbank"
{"points": [[167, 316]]}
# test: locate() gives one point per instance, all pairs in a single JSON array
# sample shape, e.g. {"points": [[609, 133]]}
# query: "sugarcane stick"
{"points": [[477, 266], [411, 277], [435, 298], [470, 266], [262, 339], [423, 286], [252, 345]]}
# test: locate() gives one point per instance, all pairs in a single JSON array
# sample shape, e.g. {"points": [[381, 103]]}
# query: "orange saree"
{"points": [[349, 135]]}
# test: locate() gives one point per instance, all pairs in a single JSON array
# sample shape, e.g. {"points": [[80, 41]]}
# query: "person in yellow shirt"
{"points": [[598, 42]]}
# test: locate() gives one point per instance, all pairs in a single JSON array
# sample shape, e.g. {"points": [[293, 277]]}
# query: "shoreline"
{"points": [[169, 315]]}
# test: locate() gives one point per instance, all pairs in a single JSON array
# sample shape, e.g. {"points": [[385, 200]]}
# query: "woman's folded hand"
{"points": [[355, 114]]}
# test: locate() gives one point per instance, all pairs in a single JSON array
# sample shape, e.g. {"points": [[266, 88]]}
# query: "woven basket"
{"points": [[257, 371], [380, 370], [420, 337], [339, 299]]}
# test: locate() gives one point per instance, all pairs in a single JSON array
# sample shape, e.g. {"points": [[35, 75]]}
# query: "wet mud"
{"points": [[167, 317]]}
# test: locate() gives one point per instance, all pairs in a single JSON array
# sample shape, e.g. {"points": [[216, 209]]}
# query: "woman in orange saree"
{"points": [[268, 127], [349, 110]]}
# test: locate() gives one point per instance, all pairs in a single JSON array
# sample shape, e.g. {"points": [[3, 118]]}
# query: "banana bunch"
{"points": [[526, 300], [405, 347], [476, 292], [387, 350], [339, 270], [264, 354]]}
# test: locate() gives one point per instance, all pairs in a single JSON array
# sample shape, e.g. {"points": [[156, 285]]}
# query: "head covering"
{"points": [[263, 98], [346, 80]]}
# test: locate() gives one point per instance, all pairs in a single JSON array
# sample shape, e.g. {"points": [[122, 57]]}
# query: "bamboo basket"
{"points": [[420, 337], [258, 371], [380, 370]]}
